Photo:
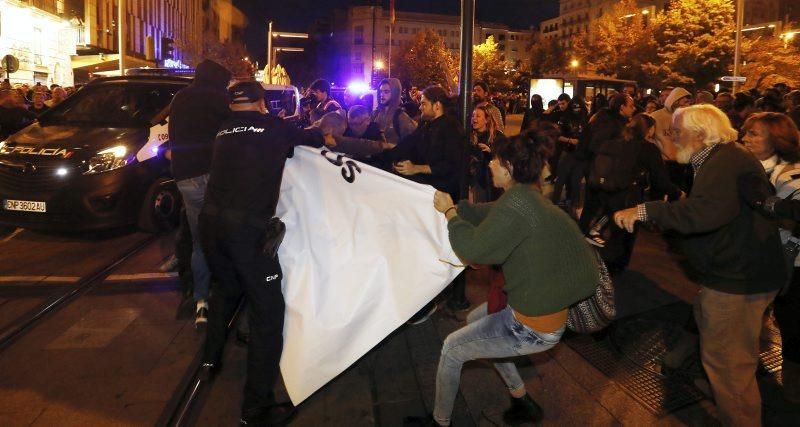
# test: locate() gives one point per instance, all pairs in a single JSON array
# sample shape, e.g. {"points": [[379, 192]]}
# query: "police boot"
{"points": [[416, 421], [523, 410], [278, 414]]}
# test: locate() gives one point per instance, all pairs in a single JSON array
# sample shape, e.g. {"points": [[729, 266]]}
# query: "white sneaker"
{"points": [[424, 318], [201, 313]]}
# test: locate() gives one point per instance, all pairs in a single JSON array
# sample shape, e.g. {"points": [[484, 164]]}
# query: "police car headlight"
{"points": [[108, 160]]}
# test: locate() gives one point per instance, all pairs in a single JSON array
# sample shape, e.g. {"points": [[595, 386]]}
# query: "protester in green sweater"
{"points": [[547, 264]]}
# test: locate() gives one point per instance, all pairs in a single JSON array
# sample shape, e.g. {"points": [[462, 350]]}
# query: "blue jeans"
{"points": [[494, 336], [193, 192]]}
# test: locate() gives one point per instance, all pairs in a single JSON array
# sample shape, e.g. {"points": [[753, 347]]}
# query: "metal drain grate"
{"points": [[659, 394], [632, 353], [772, 361], [771, 357]]}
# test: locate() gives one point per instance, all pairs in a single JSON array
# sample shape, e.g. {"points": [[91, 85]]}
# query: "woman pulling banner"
{"points": [[547, 266]]}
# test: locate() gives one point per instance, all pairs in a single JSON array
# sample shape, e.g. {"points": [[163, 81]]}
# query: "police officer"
{"points": [[244, 184]]}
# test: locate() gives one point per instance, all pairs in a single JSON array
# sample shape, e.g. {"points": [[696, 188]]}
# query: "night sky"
{"points": [[299, 15]]}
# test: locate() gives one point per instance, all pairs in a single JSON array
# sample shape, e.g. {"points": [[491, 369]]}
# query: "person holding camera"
{"points": [[240, 237], [320, 90]]}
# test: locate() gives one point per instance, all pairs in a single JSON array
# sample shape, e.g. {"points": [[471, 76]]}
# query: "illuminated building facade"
{"points": [[186, 22], [363, 39], [578, 16], [39, 36]]}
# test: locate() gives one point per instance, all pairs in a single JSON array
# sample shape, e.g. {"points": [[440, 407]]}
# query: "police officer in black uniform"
{"points": [[244, 184]]}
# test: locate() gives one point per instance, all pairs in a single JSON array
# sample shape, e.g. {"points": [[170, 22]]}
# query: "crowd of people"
{"points": [[677, 162], [674, 161], [543, 210], [21, 104]]}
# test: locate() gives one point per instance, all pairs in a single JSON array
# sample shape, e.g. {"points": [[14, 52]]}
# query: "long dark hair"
{"points": [[598, 103], [436, 94], [638, 127], [527, 154]]}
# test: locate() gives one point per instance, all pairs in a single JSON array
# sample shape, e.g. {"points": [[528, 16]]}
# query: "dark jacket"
{"points": [[250, 152], [603, 126], [196, 114], [38, 111], [13, 120], [652, 170], [366, 147], [731, 247], [479, 162], [441, 145], [531, 115]]}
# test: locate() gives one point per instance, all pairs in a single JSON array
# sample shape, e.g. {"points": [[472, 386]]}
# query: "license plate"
{"points": [[24, 205]]}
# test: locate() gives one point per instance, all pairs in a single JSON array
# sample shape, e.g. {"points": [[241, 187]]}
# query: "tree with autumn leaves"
{"points": [[691, 44], [488, 65], [768, 60], [695, 42], [426, 61], [619, 44]]}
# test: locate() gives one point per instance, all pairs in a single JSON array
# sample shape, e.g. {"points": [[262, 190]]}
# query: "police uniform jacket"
{"points": [[250, 151]]}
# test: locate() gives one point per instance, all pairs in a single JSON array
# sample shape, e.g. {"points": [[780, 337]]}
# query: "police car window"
{"points": [[114, 105]]}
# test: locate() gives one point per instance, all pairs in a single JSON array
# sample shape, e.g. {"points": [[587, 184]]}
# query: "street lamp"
{"points": [[738, 47], [788, 37], [279, 34], [379, 65]]}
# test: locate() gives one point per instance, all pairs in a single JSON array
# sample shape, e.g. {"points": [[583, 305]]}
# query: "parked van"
{"points": [[96, 160]]}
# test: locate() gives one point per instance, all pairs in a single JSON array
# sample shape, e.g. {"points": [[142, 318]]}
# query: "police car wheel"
{"points": [[160, 207]]}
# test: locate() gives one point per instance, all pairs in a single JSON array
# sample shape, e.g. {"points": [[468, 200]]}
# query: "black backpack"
{"points": [[613, 167]]}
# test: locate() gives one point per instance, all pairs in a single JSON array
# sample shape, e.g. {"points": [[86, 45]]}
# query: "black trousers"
{"points": [[787, 313], [234, 255]]}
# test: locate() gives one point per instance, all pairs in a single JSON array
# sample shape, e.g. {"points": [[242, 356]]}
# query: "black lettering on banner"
{"points": [[349, 168], [351, 165], [337, 162]]}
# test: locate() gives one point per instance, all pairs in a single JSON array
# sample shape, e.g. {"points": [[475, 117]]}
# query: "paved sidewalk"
{"points": [[396, 378]]}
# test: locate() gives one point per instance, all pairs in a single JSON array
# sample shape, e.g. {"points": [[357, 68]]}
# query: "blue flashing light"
{"points": [[177, 64], [358, 88]]}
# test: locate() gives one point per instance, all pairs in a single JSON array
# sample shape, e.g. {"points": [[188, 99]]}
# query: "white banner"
{"points": [[364, 250]]}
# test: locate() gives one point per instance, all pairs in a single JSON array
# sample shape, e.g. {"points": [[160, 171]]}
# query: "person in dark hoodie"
{"points": [[196, 114], [390, 116]]}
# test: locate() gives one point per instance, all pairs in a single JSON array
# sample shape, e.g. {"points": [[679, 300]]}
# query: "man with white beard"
{"points": [[735, 250]]}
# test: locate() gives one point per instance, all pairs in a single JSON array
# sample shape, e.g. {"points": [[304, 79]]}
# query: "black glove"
{"points": [[754, 190], [273, 236]]}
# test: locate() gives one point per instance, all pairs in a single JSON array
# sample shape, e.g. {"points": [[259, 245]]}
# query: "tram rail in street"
{"points": [[182, 408], [86, 283]]}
